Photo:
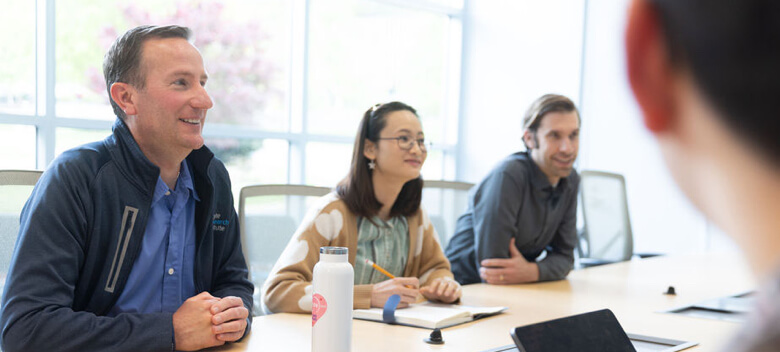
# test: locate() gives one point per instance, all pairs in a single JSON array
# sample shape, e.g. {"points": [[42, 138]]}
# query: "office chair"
{"points": [[606, 236], [445, 201], [268, 215], [15, 187]]}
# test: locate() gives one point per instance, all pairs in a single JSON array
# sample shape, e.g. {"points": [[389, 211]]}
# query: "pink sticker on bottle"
{"points": [[318, 307]]}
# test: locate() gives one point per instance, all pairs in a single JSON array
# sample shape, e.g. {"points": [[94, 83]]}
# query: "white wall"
{"points": [[514, 51], [517, 51], [614, 139]]}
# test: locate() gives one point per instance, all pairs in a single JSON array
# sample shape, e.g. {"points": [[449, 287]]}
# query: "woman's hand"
{"points": [[406, 287], [443, 289]]}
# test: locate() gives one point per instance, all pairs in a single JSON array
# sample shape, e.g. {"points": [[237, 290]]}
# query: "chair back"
{"points": [[268, 216], [15, 188], [445, 201], [607, 232]]}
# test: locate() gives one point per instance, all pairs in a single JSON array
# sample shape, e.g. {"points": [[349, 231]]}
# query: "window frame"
{"points": [[46, 121]]}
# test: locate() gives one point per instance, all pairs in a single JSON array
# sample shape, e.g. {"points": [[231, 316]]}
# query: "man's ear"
{"points": [[122, 94], [369, 149], [650, 71], [528, 138]]}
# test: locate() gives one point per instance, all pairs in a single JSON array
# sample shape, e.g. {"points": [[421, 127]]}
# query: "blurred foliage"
{"points": [[229, 150], [239, 73]]}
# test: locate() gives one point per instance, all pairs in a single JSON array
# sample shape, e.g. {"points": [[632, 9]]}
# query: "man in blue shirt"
{"points": [[131, 243], [168, 243]]}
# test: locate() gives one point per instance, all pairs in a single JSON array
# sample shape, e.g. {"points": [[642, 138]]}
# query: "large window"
{"points": [[290, 79], [17, 73]]}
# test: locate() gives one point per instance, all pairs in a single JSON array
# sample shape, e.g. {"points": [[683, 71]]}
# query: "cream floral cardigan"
{"points": [[330, 223]]}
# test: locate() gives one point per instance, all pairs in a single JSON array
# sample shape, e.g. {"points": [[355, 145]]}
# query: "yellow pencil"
{"points": [[383, 271], [379, 268]]}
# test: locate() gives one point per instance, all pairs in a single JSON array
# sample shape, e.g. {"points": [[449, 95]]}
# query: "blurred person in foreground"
{"points": [[706, 76]]}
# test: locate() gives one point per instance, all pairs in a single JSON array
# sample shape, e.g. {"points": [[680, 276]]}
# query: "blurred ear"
{"points": [[122, 94], [528, 138], [369, 149], [650, 73]]}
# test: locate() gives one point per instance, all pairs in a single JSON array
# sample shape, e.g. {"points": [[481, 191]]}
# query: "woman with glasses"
{"points": [[375, 212]]}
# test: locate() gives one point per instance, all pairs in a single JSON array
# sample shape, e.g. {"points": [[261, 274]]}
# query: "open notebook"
{"points": [[431, 315]]}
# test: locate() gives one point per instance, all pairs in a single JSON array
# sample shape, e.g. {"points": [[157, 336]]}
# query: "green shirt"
{"points": [[386, 243]]}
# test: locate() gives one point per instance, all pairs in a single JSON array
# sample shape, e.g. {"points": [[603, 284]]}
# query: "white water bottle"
{"points": [[331, 309]]}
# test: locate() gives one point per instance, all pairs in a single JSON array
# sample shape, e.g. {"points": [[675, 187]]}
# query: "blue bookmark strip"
{"points": [[388, 313]]}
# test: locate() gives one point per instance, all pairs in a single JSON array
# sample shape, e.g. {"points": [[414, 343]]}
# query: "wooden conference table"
{"points": [[632, 290]]}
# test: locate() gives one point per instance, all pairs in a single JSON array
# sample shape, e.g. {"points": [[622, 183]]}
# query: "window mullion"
{"points": [[46, 74]]}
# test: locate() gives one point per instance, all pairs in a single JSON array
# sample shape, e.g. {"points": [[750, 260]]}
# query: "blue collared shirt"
{"points": [[162, 277]]}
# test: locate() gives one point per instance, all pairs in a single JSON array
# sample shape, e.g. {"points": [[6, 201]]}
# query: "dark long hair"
{"points": [[357, 189]]}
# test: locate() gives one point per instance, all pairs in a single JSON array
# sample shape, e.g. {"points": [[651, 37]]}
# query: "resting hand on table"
{"points": [[229, 318], [443, 289], [192, 323], [406, 287], [513, 270]]}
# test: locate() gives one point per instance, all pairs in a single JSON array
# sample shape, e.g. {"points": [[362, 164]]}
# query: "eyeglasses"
{"points": [[407, 143]]}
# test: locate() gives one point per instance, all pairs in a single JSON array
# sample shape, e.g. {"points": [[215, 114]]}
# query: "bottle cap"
{"points": [[334, 250]]}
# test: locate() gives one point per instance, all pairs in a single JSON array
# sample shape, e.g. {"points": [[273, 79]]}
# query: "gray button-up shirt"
{"points": [[517, 200]]}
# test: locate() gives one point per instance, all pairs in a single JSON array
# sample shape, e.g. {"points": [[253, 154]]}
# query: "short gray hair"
{"points": [[122, 62]]}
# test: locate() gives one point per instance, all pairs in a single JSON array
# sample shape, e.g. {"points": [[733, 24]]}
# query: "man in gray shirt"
{"points": [[525, 207]]}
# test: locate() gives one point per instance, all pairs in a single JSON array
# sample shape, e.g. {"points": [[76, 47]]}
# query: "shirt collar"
{"points": [[540, 181], [184, 180]]}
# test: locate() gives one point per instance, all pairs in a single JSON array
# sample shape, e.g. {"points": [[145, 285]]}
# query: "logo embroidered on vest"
{"points": [[219, 224]]}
